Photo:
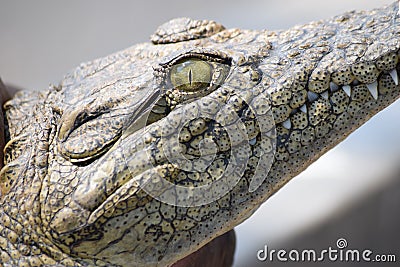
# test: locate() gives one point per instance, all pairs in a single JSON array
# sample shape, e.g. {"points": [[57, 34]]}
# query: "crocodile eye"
{"points": [[191, 74]]}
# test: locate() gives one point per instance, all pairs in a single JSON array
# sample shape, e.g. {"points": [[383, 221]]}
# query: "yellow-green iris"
{"points": [[191, 74]]}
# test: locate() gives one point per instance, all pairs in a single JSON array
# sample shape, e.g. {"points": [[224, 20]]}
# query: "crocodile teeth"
{"points": [[347, 89], [287, 124], [303, 108], [253, 141], [325, 95], [394, 75], [398, 12], [312, 96], [333, 86], [373, 89]]}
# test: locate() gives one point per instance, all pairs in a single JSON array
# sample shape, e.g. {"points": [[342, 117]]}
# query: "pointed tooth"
{"points": [[347, 89], [312, 96], [394, 75], [287, 124], [398, 12], [325, 95], [253, 141], [373, 89], [333, 86], [303, 108]]}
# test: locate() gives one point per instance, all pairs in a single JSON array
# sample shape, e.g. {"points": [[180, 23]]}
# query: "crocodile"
{"points": [[142, 157]]}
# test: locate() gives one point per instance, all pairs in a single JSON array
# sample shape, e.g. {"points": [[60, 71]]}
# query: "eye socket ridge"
{"points": [[211, 56]]}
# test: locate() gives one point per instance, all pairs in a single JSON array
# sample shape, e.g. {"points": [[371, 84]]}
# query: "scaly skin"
{"points": [[87, 161]]}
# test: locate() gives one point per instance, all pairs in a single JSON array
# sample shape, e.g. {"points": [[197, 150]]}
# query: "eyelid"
{"points": [[218, 61], [203, 54]]}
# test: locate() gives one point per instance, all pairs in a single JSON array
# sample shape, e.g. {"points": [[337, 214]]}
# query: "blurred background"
{"points": [[352, 192]]}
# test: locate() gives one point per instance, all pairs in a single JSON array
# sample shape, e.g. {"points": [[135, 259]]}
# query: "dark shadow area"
{"points": [[371, 223]]}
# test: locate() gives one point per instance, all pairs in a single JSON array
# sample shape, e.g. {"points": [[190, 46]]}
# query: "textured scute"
{"points": [[19, 111], [365, 72], [184, 29], [343, 76], [387, 62], [319, 81]]}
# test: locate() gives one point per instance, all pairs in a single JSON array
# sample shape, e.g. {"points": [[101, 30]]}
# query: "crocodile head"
{"points": [[148, 154]]}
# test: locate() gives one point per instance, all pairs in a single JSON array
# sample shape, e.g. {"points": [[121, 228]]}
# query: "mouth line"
{"points": [[376, 90], [137, 142]]}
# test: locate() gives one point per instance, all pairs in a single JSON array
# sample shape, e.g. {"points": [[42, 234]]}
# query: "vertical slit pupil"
{"points": [[190, 76]]}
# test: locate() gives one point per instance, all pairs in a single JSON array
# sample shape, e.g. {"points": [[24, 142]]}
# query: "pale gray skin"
{"points": [[75, 153]]}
